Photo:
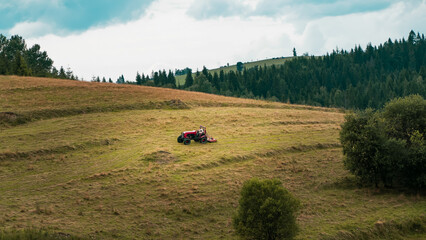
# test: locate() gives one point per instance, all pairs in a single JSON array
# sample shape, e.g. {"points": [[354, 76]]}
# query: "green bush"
{"points": [[387, 146], [266, 211], [370, 154], [405, 118]]}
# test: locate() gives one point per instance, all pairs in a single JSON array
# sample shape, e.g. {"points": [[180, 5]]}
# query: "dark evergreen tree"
{"points": [[189, 80], [4, 68], [38, 61], [62, 73], [138, 79], [163, 78], [55, 72], [143, 79], [204, 71], [201, 84], [120, 80], [156, 79], [69, 74], [20, 66], [215, 81], [240, 66], [171, 80]]}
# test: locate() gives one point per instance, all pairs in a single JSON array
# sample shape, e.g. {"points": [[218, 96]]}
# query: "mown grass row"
{"points": [[55, 150], [35, 234], [410, 228], [14, 119], [413, 228]]}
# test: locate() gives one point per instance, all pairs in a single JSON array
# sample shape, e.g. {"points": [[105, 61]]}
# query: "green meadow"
{"points": [[101, 161]]}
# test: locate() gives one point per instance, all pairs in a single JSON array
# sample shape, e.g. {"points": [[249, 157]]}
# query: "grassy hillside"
{"points": [[267, 62], [101, 161]]}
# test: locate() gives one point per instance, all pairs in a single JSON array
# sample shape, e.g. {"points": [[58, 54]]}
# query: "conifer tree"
{"points": [[205, 71], [120, 80], [240, 66], [156, 79], [189, 80], [62, 73], [143, 79], [163, 78], [138, 79], [171, 79], [20, 66]]}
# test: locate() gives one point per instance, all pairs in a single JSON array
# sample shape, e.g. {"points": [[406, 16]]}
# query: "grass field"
{"points": [[101, 161], [267, 62]]}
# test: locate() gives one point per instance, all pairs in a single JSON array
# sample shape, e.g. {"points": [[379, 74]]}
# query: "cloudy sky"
{"points": [[110, 37]]}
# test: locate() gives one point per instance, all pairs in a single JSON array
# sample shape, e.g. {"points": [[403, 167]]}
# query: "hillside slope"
{"points": [[30, 98], [267, 62], [101, 161]]}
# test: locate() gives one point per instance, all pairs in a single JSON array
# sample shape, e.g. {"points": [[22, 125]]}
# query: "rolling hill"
{"points": [[101, 161], [266, 62]]}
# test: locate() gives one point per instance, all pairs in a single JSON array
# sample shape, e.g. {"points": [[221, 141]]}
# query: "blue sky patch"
{"points": [[70, 15], [316, 9], [304, 9]]}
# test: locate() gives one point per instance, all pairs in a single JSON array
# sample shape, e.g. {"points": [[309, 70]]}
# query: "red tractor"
{"points": [[199, 135]]}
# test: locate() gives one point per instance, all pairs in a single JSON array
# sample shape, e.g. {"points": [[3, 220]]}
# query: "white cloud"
{"points": [[204, 9], [167, 38], [324, 35], [32, 29]]}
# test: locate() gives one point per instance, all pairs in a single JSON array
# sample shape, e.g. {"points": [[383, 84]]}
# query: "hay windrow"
{"points": [[13, 119], [56, 150], [160, 157]]}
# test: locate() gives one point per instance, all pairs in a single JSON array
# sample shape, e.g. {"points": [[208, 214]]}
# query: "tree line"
{"points": [[17, 59], [355, 79]]}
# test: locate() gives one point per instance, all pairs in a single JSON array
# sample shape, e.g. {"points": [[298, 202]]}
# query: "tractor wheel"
{"points": [[186, 141], [203, 140], [180, 139]]}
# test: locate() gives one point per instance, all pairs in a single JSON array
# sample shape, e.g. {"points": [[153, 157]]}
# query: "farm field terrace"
{"points": [[121, 174]]}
